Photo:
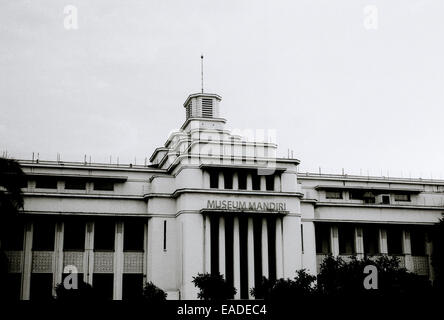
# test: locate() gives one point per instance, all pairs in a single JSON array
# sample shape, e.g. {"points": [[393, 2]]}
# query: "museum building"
{"points": [[208, 201]]}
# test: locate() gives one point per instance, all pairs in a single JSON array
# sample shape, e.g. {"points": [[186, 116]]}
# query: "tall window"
{"points": [[104, 233], [322, 238], [346, 239], [418, 241], [256, 181], [371, 240], [228, 180], [214, 179], [133, 235], [269, 181], [394, 240], [242, 178], [43, 235], [74, 235], [13, 236]]}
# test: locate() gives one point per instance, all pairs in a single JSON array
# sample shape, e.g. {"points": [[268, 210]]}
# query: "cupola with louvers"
{"points": [[202, 105]]}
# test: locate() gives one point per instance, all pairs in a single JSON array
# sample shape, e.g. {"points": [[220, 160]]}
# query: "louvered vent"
{"points": [[188, 110], [207, 108]]}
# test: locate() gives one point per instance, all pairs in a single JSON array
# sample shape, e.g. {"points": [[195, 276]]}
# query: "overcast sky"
{"points": [[339, 94]]}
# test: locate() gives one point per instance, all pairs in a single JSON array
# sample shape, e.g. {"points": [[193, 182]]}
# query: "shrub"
{"points": [[213, 287], [153, 294]]}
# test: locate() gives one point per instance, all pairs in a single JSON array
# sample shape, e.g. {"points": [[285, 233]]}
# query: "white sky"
{"points": [[339, 95]]}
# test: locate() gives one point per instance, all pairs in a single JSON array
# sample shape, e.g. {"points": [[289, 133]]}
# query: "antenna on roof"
{"points": [[201, 72]]}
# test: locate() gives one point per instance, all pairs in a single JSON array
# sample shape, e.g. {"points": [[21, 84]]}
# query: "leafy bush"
{"points": [[153, 294], [84, 292], [283, 289], [213, 287]]}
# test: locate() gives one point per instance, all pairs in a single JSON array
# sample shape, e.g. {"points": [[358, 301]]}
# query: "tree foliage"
{"points": [[213, 287], [153, 294]]}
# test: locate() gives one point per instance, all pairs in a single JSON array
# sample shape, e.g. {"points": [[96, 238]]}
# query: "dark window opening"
{"points": [[75, 184], [46, 183], [103, 284], [103, 185], [418, 240], [333, 194], [394, 240], [41, 286], [371, 240], [228, 180], [74, 235], [12, 238], [242, 179], [104, 233], [133, 235], [214, 179], [256, 181], [322, 234], [269, 182], [386, 199], [12, 286], [346, 239], [402, 197], [43, 236], [132, 286]]}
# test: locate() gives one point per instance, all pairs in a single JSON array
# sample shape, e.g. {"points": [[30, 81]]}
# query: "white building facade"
{"points": [[208, 202]]}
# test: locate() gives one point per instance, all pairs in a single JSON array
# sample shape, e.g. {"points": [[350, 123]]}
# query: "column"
{"points": [[250, 256], [235, 181], [222, 246], [207, 244], [221, 180], [236, 257], [277, 183], [407, 250], [88, 256], [279, 245], [118, 261], [146, 252], [264, 248], [26, 262], [249, 182], [57, 259], [263, 183], [383, 248], [334, 240], [429, 250], [292, 250], [359, 242], [205, 179], [309, 254]]}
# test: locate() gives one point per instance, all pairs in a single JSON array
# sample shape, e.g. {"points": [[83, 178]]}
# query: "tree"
{"points": [[213, 287], [84, 292], [153, 294], [303, 285]]}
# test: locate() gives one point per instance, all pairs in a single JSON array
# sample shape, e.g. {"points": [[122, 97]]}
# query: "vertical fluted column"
{"points": [[383, 248], [250, 256], [88, 255], [207, 244], [249, 181], [235, 181], [407, 250], [206, 179], [263, 183], [27, 262], [264, 248], [279, 248], [236, 257], [57, 263], [359, 242], [221, 180], [222, 246], [277, 183], [118, 261], [334, 240]]}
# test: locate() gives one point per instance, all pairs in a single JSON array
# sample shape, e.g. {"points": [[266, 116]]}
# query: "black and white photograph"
{"points": [[221, 159]]}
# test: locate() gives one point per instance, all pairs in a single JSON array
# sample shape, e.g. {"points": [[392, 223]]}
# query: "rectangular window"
{"points": [[74, 235], [104, 233], [103, 284], [402, 197], [385, 199], [333, 194], [269, 181], [346, 239], [214, 179], [394, 240], [242, 178], [371, 240], [356, 195], [43, 236], [104, 185], [322, 234], [41, 286], [256, 181], [13, 236], [418, 241], [133, 235], [132, 286], [75, 184], [228, 180], [46, 183]]}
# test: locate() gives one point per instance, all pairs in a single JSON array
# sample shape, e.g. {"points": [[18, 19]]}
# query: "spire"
{"points": [[201, 72]]}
